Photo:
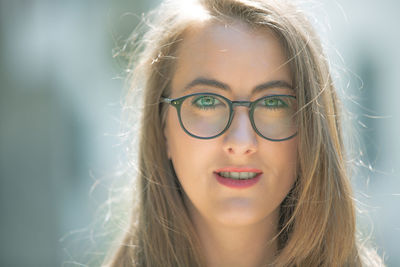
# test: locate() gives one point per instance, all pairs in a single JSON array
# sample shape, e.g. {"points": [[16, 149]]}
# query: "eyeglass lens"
{"points": [[208, 115]]}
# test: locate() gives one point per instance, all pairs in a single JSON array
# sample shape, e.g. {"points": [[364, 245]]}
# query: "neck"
{"points": [[249, 245]]}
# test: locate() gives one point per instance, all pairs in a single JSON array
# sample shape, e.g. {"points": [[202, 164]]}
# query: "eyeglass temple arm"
{"points": [[234, 103], [174, 102]]}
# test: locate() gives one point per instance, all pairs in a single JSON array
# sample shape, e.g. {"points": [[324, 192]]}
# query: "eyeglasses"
{"points": [[209, 115]]}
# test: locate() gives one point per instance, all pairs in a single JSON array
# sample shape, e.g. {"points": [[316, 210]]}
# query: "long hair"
{"points": [[317, 218]]}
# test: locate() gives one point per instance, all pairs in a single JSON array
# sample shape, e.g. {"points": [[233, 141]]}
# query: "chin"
{"points": [[244, 218]]}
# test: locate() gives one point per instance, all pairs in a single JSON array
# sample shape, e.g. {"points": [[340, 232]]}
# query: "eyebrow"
{"points": [[223, 86]]}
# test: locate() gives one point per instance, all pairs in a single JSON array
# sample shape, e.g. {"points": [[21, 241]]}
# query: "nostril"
{"points": [[232, 151]]}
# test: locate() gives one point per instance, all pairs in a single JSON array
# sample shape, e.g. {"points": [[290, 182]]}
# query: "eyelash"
{"points": [[281, 103], [197, 99]]}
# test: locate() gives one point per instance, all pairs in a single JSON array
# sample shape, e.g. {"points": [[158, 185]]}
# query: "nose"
{"points": [[240, 138]]}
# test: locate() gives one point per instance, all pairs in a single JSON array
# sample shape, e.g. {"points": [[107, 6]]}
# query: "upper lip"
{"points": [[238, 169]]}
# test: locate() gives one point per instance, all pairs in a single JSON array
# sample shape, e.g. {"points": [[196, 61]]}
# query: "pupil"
{"points": [[207, 101]]}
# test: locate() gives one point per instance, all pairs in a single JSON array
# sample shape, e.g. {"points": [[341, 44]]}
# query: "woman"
{"points": [[241, 159]]}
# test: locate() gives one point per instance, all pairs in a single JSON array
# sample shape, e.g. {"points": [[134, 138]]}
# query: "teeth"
{"points": [[238, 175], [244, 175], [234, 175]]}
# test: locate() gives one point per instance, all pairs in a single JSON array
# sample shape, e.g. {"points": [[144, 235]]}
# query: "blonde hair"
{"points": [[317, 218]]}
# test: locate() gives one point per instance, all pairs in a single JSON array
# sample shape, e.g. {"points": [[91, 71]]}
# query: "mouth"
{"points": [[238, 173], [238, 177]]}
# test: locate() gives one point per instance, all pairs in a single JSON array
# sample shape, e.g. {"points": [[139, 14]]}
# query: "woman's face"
{"points": [[239, 59]]}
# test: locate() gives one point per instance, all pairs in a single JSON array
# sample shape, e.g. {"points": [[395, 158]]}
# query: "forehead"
{"points": [[234, 54]]}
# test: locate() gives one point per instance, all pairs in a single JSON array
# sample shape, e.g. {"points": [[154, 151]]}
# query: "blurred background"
{"points": [[60, 92]]}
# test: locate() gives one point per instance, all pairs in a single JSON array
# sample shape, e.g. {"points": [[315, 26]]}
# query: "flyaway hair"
{"points": [[317, 219]]}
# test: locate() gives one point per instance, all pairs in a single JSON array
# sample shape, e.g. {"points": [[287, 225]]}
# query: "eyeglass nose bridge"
{"points": [[241, 104], [247, 104]]}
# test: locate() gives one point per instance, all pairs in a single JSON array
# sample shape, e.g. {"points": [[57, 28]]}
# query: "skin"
{"points": [[235, 226]]}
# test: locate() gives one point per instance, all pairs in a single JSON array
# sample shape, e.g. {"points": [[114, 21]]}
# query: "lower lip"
{"points": [[233, 183]]}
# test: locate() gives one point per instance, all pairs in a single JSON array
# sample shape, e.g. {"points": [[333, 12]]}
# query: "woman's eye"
{"points": [[274, 102], [206, 102]]}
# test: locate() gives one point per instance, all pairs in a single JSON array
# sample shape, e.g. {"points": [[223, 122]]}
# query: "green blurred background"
{"points": [[60, 112]]}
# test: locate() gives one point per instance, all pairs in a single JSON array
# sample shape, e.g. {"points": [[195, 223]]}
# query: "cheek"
{"points": [[189, 155], [281, 158], [289, 160], [286, 152], [290, 152], [177, 142], [173, 133]]}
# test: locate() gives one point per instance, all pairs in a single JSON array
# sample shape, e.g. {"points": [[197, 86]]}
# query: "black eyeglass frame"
{"points": [[177, 103]]}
